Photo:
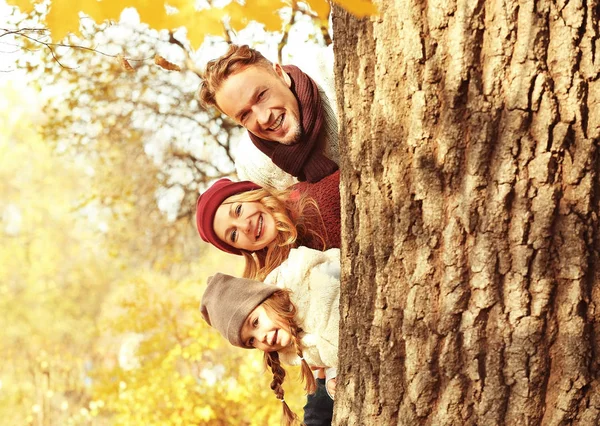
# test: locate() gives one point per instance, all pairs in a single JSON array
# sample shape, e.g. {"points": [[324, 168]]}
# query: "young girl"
{"points": [[264, 225], [295, 322]]}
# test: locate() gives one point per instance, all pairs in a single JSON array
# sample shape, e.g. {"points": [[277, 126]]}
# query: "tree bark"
{"points": [[470, 194]]}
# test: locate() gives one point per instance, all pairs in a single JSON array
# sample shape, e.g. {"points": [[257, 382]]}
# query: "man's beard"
{"points": [[296, 136]]}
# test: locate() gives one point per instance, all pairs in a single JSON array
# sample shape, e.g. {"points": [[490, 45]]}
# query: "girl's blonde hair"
{"points": [[295, 219], [279, 305]]}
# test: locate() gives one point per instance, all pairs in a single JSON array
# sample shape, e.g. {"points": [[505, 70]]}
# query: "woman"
{"points": [[264, 225]]}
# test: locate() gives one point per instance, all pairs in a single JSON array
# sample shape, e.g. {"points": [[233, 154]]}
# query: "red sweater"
{"points": [[326, 193]]}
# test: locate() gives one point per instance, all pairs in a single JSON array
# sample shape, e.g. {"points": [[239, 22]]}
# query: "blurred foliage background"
{"points": [[101, 269]]}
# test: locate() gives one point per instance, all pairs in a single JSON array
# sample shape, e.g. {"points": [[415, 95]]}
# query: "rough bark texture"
{"points": [[470, 189]]}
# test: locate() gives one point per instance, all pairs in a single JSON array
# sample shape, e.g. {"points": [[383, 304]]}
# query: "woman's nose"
{"points": [[242, 224]]}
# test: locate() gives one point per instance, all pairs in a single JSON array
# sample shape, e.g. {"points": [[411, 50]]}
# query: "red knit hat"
{"points": [[209, 202]]}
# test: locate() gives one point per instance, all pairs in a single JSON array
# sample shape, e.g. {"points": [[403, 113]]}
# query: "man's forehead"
{"points": [[238, 88], [250, 71]]}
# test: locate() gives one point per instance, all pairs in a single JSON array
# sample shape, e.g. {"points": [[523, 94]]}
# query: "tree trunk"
{"points": [[470, 194]]}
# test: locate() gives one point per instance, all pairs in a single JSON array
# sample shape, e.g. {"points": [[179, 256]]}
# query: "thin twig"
{"points": [[189, 63], [50, 45]]}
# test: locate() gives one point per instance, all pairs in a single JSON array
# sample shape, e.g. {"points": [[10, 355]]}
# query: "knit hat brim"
{"points": [[228, 301], [207, 205]]}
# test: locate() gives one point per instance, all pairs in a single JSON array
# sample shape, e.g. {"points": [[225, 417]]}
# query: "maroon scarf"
{"points": [[304, 159]]}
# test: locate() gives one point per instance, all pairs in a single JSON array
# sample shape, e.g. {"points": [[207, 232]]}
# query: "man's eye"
{"points": [[238, 210], [243, 117], [233, 236], [262, 94]]}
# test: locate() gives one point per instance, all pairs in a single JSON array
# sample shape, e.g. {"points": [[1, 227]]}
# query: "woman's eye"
{"points": [[238, 210], [251, 341], [262, 94], [233, 236], [255, 322]]}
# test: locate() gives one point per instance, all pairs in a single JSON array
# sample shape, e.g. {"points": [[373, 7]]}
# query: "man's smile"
{"points": [[277, 125]]}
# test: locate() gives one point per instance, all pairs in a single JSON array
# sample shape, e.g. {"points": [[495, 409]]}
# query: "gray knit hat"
{"points": [[228, 301]]}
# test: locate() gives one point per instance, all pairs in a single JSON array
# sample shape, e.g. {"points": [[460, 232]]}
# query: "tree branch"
{"points": [[286, 31], [50, 45]]}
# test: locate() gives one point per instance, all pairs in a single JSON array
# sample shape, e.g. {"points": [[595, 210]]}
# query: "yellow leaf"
{"points": [[183, 6], [25, 6], [62, 19], [237, 15], [64, 14], [201, 23], [103, 11], [153, 12], [320, 7], [261, 11], [359, 8]]}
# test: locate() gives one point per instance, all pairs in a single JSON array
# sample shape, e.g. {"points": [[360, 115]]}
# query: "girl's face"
{"points": [[245, 225], [262, 332]]}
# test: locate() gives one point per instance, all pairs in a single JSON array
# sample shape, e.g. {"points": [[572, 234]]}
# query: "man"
{"points": [[289, 117]]}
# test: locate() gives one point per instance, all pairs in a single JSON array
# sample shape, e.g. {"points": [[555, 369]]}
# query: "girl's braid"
{"points": [[310, 385], [280, 305], [272, 359]]}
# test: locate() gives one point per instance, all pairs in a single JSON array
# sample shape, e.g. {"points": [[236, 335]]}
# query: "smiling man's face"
{"points": [[260, 99]]}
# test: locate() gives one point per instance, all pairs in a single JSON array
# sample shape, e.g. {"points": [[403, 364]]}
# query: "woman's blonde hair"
{"points": [[295, 219], [280, 308]]}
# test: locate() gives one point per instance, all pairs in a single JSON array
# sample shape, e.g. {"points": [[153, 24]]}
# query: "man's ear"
{"points": [[282, 74]]}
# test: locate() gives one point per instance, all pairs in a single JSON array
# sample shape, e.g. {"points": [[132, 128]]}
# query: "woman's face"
{"points": [[245, 225], [262, 332]]}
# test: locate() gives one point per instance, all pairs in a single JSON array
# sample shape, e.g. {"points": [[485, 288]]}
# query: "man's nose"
{"points": [[263, 115]]}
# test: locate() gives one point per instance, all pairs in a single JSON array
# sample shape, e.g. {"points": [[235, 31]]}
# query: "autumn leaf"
{"points": [[104, 10], [262, 11], [125, 63], [62, 19], [200, 23], [359, 8], [321, 8], [151, 12], [26, 6], [63, 16], [163, 63]]}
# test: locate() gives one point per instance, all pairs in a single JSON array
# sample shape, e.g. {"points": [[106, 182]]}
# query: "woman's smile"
{"points": [[247, 225], [259, 227]]}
